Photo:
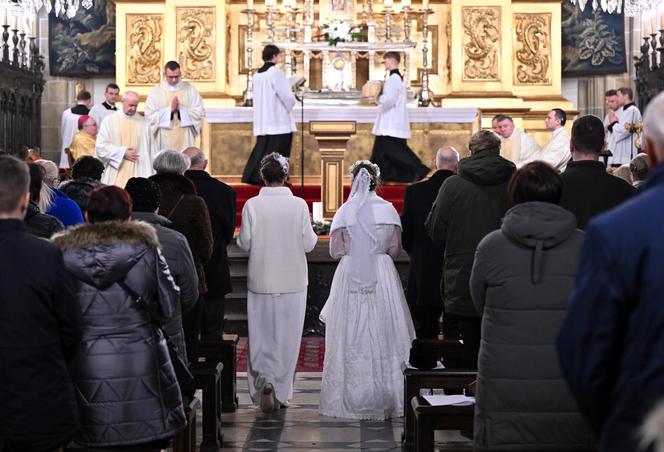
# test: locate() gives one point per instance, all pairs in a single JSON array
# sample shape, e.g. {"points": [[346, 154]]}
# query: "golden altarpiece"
{"points": [[472, 58]]}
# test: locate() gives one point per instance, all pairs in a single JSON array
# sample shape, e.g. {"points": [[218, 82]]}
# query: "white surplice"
{"points": [[622, 142], [99, 112], [169, 131], [117, 133], [273, 102], [392, 119], [556, 152], [520, 148], [68, 128]]}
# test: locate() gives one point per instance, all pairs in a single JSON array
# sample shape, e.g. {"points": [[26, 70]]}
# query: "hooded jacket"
{"points": [[125, 383], [189, 214], [468, 206], [40, 224], [521, 279], [79, 189]]}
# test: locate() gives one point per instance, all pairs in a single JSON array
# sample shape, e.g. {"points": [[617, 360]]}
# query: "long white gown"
{"points": [[368, 335]]}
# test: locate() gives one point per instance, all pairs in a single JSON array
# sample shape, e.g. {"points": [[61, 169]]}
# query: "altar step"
{"points": [[311, 193]]}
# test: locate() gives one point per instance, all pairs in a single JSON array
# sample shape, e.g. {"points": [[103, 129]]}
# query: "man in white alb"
{"points": [[69, 123], [517, 146], [99, 112], [397, 162], [124, 144], [556, 153], [611, 100], [174, 110], [623, 129], [273, 120]]}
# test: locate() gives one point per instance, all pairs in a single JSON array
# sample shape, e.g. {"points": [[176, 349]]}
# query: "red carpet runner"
{"points": [[312, 352]]}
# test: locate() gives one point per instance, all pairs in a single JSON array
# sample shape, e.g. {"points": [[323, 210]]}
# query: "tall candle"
{"points": [[425, 4], [405, 3], [645, 24], [5, 21], [387, 3], [250, 4], [14, 23], [33, 27], [269, 3], [288, 3]]}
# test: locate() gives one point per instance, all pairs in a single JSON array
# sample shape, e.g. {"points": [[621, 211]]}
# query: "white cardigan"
{"points": [[277, 232]]}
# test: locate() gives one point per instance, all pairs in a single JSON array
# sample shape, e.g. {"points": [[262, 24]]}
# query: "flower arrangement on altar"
{"points": [[341, 31]]}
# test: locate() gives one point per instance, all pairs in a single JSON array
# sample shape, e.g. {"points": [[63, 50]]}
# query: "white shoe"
{"points": [[267, 398]]}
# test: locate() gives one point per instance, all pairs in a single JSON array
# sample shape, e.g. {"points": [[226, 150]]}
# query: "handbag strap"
{"points": [[150, 310], [175, 206]]}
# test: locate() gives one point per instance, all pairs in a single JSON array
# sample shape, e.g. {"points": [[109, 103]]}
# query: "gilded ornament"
{"points": [[195, 43], [481, 37], [144, 48], [533, 49]]}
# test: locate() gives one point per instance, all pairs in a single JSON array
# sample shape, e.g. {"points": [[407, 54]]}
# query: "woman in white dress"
{"points": [[277, 232], [368, 327]]}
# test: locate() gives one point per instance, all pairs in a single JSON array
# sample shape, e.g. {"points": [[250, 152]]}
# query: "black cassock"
{"points": [[397, 162], [265, 144]]}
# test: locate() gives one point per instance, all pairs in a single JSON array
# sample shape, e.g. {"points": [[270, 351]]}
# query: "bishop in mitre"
{"points": [[174, 110], [124, 144], [516, 145]]}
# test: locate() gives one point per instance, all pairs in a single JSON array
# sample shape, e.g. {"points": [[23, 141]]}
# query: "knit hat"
{"points": [[82, 120], [144, 193]]}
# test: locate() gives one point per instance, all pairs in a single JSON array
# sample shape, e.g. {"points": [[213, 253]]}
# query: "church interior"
{"points": [[465, 65]]}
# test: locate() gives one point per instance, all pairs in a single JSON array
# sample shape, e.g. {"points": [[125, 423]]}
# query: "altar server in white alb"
{"points": [[276, 232], [516, 145], [100, 111], [556, 152], [69, 123], [174, 110], [124, 144], [623, 140], [397, 162], [611, 100], [273, 120]]}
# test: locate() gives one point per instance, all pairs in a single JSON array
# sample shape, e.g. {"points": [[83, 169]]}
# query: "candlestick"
{"points": [[388, 23], [653, 55], [424, 97], [406, 23], [249, 92], [270, 23]]}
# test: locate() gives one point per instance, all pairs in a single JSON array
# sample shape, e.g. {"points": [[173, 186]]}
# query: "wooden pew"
{"points": [[224, 351], [208, 378], [185, 440]]}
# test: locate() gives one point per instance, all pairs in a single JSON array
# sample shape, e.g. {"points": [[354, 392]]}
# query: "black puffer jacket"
{"points": [[522, 277], [79, 189], [126, 386]]}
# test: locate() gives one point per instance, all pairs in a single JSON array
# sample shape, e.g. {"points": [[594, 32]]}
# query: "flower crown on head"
{"points": [[283, 161], [366, 163]]}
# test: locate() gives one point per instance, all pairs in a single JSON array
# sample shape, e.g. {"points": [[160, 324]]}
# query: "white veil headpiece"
{"points": [[361, 225]]}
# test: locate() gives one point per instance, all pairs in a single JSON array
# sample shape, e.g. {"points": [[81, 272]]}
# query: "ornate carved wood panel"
{"points": [[144, 48], [532, 49], [481, 43], [196, 42]]}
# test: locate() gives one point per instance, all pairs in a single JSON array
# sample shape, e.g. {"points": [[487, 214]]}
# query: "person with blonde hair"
{"points": [[59, 205]]}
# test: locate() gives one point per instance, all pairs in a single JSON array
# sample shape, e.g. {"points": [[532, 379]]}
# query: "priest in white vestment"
{"points": [[517, 146], [99, 112], [124, 144], [623, 141], [174, 110], [276, 232], [557, 152], [69, 124]]}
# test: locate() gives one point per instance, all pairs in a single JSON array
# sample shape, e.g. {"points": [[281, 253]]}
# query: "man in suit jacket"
{"points": [[220, 200], [426, 266]]}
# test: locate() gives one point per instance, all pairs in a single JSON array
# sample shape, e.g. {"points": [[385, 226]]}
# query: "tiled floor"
{"points": [[301, 428]]}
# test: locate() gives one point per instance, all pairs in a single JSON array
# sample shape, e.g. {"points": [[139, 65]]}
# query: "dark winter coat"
{"points": [[426, 262], [611, 344], [220, 200], [176, 251], [40, 330], [588, 190], [189, 215], [79, 189], [521, 280], [39, 224], [468, 206], [126, 386]]}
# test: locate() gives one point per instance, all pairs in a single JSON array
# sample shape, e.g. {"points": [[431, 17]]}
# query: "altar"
{"points": [[228, 136]]}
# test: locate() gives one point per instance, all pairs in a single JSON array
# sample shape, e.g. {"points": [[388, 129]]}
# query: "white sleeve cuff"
{"points": [[165, 118]]}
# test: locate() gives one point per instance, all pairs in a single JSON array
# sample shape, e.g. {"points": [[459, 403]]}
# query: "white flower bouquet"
{"points": [[341, 31]]}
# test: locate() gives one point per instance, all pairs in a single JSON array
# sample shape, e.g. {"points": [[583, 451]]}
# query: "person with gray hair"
{"points": [[426, 266], [220, 200], [639, 168], [124, 144], [611, 344], [189, 215], [169, 161], [469, 206]]}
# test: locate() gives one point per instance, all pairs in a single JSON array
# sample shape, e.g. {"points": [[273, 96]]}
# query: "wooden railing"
{"points": [[21, 86]]}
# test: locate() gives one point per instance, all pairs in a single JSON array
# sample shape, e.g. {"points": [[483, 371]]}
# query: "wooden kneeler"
{"points": [[223, 350], [208, 378], [185, 440]]}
